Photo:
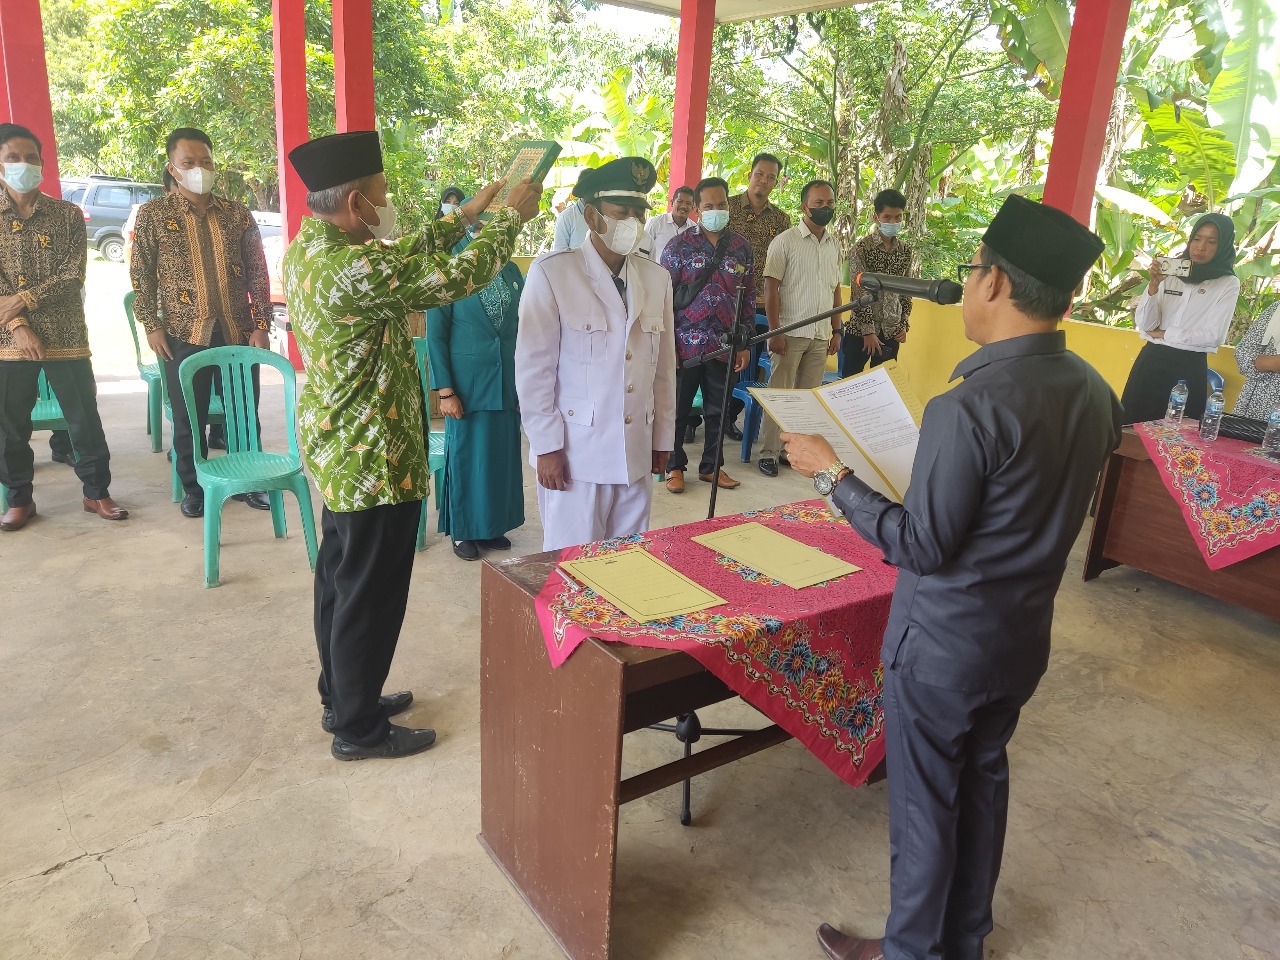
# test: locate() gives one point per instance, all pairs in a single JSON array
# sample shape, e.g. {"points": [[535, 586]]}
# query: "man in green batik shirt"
{"points": [[360, 416]]}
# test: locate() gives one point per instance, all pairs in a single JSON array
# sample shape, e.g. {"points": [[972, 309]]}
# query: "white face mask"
{"points": [[890, 229], [386, 224], [23, 177], [713, 221], [624, 235], [448, 208], [198, 180]]}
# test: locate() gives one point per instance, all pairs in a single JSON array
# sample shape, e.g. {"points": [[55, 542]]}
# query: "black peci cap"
{"points": [[337, 159], [1045, 242]]}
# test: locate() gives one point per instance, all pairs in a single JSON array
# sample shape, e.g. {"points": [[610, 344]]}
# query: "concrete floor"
{"points": [[168, 793]]}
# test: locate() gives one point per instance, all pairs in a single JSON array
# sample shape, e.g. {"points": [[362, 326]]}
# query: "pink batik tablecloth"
{"points": [[808, 659], [1229, 493]]}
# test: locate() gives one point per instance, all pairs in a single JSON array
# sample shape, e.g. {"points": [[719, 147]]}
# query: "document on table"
{"points": [[776, 555], [871, 420], [641, 585]]}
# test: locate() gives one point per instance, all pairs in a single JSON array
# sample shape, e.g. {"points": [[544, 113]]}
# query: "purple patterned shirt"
{"points": [[700, 326]]}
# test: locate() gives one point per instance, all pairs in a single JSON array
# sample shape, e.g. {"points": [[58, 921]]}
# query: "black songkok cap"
{"points": [[626, 180], [1045, 242], [334, 160]]}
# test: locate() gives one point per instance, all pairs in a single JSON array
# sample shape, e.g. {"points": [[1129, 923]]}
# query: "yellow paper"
{"points": [[641, 585], [776, 555], [901, 381]]}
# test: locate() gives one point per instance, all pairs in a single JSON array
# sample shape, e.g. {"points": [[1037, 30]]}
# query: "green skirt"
{"points": [[482, 494]]}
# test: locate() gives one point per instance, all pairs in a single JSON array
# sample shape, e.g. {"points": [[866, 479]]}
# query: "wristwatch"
{"points": [[824, 481]]}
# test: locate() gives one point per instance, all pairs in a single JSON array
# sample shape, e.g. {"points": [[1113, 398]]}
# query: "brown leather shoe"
{"points": [[726, 482], [15, 518], [837, 946], [675, 481], [106, 508]]}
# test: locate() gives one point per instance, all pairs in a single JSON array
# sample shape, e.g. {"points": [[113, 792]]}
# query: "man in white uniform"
{"points": [[596, 365]]}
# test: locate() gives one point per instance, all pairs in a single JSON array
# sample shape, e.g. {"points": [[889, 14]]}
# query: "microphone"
{"points": [[939, 291]]}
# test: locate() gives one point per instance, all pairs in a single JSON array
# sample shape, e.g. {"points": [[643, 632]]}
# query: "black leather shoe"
{"points": [[495, 543], [733, 433], [59, 457], [466, 549], [192, 506], [690, 433], [393, 703], [399, 742], [259, 501], [768, 466], [217, 438]]}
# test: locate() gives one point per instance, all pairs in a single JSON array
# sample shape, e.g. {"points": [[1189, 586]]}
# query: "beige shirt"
{"points": [[808, 270]]}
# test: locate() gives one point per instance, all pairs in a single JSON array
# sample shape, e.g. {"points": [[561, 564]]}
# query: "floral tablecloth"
{"points": [[1229, 493], [808, 659]]}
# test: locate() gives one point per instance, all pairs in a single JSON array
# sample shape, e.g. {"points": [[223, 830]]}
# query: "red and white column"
{"points": [[353, 64], [24, 81], [289, 36], [693, 79]]}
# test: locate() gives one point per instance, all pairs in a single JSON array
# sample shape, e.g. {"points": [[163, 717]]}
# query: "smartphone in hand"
{"points": [[1174, 266]]}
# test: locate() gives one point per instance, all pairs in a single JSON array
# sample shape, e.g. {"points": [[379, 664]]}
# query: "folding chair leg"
{"points": [[4, 500], [277, 513], [422, 527], [176, 492], [303, 493], [212, 536], [155, 415]]}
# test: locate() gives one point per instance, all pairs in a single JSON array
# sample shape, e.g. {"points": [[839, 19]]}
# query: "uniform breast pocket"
{"points": [[585, 338], [651, 336]]}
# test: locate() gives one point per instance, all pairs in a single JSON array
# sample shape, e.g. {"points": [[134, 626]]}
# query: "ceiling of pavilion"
{"points": [[734, 11]]}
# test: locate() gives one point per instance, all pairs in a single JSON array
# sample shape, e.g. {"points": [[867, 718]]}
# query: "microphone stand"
{"points": [[740, 338]]}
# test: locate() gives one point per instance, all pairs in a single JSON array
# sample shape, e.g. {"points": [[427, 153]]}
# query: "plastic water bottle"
{"points": [[1177, 403], [1271, 440], [1212, 419]]}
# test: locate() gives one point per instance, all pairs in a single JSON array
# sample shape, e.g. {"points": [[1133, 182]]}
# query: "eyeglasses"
{"points": [[962, 269]]}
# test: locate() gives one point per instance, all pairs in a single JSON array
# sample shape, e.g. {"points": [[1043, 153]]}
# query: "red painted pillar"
{"points": [[693, 77], [25, 81], [1088, 87], [289, 37], [353, 64]]}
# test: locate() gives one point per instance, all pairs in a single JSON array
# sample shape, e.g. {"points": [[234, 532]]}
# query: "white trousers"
{"points": [[587, 512]]}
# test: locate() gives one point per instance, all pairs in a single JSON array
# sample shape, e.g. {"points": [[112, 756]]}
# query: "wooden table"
{"points": [[551, 752], [1138, 524]]}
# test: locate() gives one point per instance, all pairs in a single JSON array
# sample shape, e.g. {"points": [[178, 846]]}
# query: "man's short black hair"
{"points": [[804, 191], [760, 158], [706, 183], [1035, 298], [12, 131], [688, 190], [186, 133], [889, 198]]}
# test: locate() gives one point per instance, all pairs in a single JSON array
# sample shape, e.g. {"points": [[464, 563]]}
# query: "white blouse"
{"points": [[1194, 316]]}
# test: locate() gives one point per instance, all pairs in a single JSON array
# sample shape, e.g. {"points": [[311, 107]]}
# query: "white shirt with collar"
{"points": [[595, 375], [571, 227], [661, 230], [808, 270], [1194, 316]]}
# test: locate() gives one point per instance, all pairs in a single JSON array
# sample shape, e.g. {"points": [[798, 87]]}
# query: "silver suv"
{"points": [[106, 202]]}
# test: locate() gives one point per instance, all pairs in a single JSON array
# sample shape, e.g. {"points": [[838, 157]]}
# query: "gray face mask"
{"points": [[890, 229]]}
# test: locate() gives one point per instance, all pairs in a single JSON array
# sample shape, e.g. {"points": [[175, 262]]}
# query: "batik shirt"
{"points": [[42, 260], [360, 413], [700, 325], [759, 229], [193, 272], [890, 315]]}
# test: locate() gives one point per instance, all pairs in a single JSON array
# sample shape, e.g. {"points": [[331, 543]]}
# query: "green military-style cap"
{"points": [[626, 180]]}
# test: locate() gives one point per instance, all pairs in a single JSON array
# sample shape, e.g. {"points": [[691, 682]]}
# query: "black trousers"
{"points": [[72, 384], [948, 804], [1155, 373], [855, 356], [710, 376], [363, 570], [183, 441]]}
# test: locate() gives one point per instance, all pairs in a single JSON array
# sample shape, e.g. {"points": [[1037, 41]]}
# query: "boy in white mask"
{"points": [[200, 277], [595, 367], [876, 332]]}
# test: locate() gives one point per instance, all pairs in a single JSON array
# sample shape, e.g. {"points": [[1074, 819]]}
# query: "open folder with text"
{"points": [[872, 420]]}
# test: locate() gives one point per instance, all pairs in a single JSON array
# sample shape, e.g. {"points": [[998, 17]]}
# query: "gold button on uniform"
{"points": [[631, 388], [571, 413], [627, 420], [628, 354]]}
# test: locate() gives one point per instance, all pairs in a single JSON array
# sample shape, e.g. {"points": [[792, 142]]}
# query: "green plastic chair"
{"points": [[150, 374], [45, 415], [246, 467], [216, 415], [435, 441]]}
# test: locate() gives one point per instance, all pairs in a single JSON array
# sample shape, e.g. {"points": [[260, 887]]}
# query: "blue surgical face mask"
{"points": [[890, 229], [23, 177], [713, 221], [448, 208]]}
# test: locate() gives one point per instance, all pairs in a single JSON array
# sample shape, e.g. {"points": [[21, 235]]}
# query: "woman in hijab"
{"points": [[1258, 357], [1183, 320], [450, 201], [471, 346]]}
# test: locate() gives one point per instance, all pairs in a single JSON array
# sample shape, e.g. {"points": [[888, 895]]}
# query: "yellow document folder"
{"points": [[776, 555], [641, 585]]}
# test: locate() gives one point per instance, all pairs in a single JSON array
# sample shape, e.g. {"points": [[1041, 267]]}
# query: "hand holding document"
{"points": [[641, 585], [872, 420], [532, 162], [776, 555]]}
